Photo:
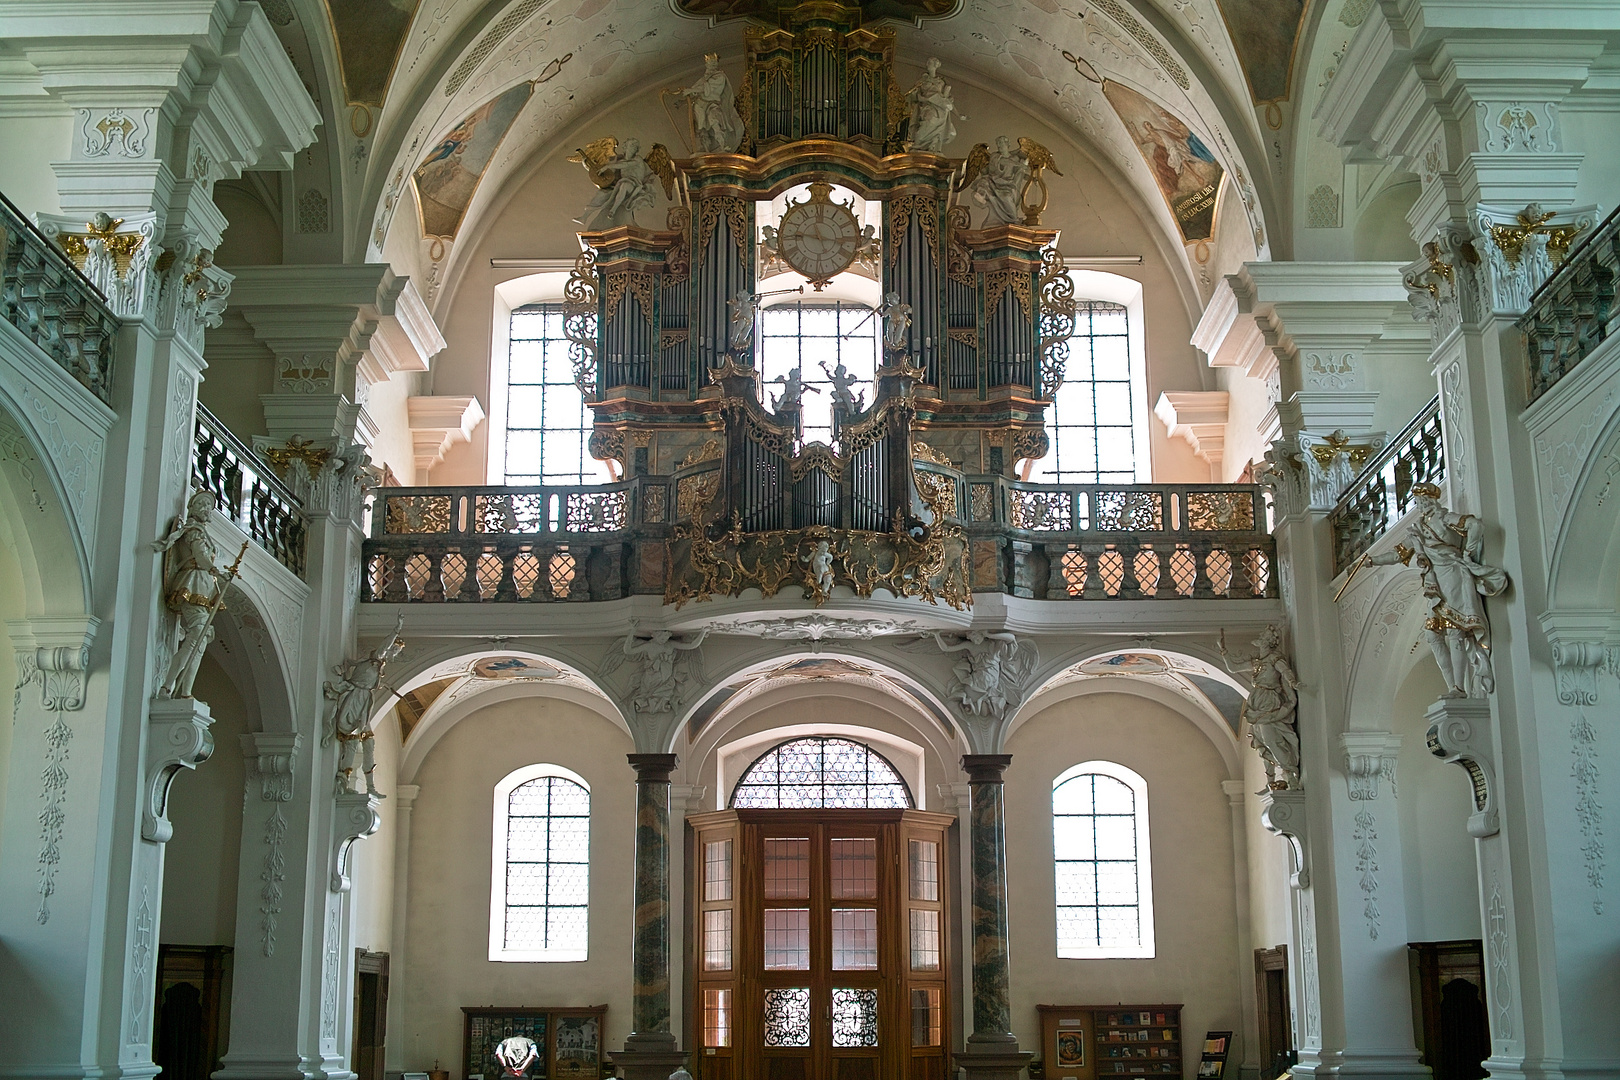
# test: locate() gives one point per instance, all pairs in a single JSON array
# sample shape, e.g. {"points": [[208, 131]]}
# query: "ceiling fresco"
{"points": [[1265, 33], [448, 177], [767, 10], [370, 34]]}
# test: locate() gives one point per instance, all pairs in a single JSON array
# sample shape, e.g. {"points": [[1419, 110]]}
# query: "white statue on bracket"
{"points": [[193, 591], [715, 120], [353, 697], [1271, 707], [931, 104]]}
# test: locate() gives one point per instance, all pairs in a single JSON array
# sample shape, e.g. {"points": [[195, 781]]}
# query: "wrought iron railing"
{"points": [[1059, 542], [1571, 314], [46, 297], [247, 492], [1383, 491]]}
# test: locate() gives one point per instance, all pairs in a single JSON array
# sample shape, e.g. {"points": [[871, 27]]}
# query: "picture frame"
{"points": [[1069, 1048]]}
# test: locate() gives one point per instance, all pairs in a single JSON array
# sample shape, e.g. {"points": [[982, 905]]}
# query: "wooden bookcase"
{"points": [[1098, 1042]]}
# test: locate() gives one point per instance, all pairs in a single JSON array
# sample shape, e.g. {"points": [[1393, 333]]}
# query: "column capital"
{"points": [[652, 768], [985, 768], [406, 794], [270, 756], [1368, 757]]}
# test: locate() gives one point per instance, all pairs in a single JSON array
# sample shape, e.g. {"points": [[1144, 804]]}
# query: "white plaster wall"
{"points": [[447, 933], [371, 869], [26, 178], [200, 866], [1195, 907], [1270, 863], [1441, 876]]}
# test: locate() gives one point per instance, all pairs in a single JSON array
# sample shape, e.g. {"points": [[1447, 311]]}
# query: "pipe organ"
{"points": [[974, 329]]}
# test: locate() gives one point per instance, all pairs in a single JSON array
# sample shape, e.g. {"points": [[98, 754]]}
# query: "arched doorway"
{"points": [[819, 916]]}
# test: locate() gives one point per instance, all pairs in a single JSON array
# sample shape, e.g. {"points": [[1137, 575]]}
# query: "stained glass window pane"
{"points": [[854, 869], [854, 939], [1097, 864], [717, 870], [925, 1016], [924, 869], [924, 940], [817, 772], [716, 1017], [547, 887], [854, 1017], [787, 1016], [787, 939], [717, 940], [787, 869]]}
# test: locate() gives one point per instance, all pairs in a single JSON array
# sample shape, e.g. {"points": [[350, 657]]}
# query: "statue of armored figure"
{"points": [[715, 120], [193, 590], [1446, 549], [1271, 707], [628, 181], [931, 106], [353, 697]]}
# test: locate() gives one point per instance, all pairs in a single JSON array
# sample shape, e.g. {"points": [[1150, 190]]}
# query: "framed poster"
{"points": [[1071, 1048], [576, 1044]]}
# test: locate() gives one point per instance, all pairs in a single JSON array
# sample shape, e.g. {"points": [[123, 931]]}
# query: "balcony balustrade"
{"points": [[1057, 542], [1416, 456], [247, 492], [1573, 311], [46, 297]]}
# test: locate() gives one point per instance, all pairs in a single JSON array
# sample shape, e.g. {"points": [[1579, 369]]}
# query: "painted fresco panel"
{"points": [[1264, 33], [369, 35], [1185, 170], [448, 176]]}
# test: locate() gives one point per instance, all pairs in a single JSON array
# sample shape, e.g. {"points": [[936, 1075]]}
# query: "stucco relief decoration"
{"points": [[140, 960], [193, 591], [1576, 665], [1369, 759], [1518, 127], [1271, 707], [192, 291], [60, 672], [1500, 983], [449, 175], [1331, 371], [272, 755], [116, 132], [991, 672], [348, 722], [1446, 550], [1562, 453], [665, 669], [1182, 165], [78, 463], [1332, 461], [1364, 834], [116, 254]]}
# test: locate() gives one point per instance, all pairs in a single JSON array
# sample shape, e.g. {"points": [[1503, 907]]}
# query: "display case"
{"points": [[1086, 1042]]}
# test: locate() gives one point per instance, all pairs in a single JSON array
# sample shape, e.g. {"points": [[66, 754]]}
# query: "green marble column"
{"points": [[650, 1050], [992, 1050]]}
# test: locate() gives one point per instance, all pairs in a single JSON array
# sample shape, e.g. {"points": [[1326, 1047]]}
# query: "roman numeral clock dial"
{"points": [[818, 237]]}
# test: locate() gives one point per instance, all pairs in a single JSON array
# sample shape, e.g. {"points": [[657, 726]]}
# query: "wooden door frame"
{"points": [[1265, 962], [370, 963]]}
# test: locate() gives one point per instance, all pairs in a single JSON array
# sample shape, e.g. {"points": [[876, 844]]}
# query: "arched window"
{"points": [[821, 772], [540, 867], [806, 336], [1104, 870], [1096, 424], [548, 428]]}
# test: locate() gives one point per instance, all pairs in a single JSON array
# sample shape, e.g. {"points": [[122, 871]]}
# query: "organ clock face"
{"points": [[818, 237]]}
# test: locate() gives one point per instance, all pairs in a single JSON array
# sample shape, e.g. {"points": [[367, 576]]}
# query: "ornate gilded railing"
{"points": [[248, 493], [1570, 314], [1383, 491], [46, 297], [1059, 542]]}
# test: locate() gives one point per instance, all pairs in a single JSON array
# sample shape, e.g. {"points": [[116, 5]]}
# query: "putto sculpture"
{"points": [[353, 697], [716, 124], [628, 182], [1271, 707], [193, 591], [931, 104], [1446, 549]]}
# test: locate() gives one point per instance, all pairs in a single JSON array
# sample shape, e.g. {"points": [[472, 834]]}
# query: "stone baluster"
{"points": [[992, 1050], [650, 1052]]}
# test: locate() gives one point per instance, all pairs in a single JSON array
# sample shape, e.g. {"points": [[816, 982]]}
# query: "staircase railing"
{"points": [[1383, 492], [248, 493]]}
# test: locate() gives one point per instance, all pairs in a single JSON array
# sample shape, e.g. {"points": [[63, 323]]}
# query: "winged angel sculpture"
{"points": [[626, 179], [1000, 180], [667, 668]]}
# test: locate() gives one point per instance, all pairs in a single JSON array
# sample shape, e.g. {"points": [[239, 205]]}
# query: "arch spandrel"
{"points": [[44, 519]]}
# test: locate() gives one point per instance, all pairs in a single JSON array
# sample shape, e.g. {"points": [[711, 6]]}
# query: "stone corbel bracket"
{"points": [[1199, 417], [1283, 814], [178, 736], [356, 819], [1460, 733], [1577, 665], [55, 651]]}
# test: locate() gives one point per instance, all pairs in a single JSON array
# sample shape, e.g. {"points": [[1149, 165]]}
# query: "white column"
{"points": [[1249, 1060]]}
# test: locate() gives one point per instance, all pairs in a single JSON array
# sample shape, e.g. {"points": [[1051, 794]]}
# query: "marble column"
{"points": [[650, 1052], [992, 1050]]}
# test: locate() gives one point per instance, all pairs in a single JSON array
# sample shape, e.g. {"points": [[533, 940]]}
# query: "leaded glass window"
{"points": [[1093, 422], [1102, 870], [854, 1017], [820, 772], [808, 336], [548, 428], [540, 888], [787, 1016]]}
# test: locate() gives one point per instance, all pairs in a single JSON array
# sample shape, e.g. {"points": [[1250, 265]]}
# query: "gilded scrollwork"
{"points": [[901, 209], [938, 493], [694, 494], [958, 263], [1057, 319], [997, 282], [640, 285], [930, 567], [579, 320], [711, 210], [818, 456]]}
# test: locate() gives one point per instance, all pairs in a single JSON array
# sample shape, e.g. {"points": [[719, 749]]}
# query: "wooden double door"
{"points": [[820, 945]]}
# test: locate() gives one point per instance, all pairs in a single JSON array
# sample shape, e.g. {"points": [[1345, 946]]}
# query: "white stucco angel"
{"points": [[999, 180], [820, 559], [628, 181], [989, 678], [1271, 707], [667, 667], [1446, 549], [931, 107], [793, 391], [193, 590], [715, 121], [896, 321], [843, 392], [353, 697], [743, 307]]}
